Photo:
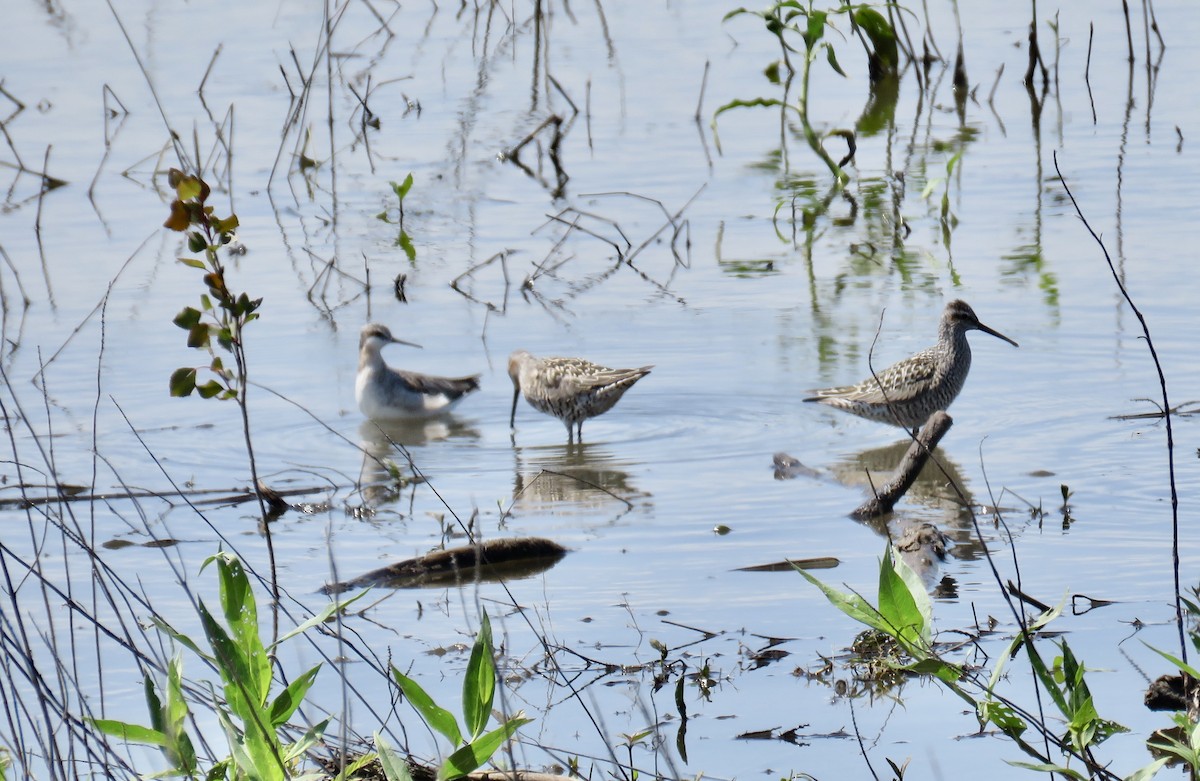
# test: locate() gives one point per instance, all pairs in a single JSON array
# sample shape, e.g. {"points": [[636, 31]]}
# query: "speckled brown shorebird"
{"points": [[384, 393], [907, 393], [570, 389]]}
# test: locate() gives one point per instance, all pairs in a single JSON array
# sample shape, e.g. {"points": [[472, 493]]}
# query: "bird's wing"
{"points": [[605, 377], [900, 382], [451, 386]]}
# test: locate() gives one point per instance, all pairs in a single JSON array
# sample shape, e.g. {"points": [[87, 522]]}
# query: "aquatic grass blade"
{"points": [[479, 685], [321, 616], [181, 752], [250, 754], [1175, 660], [1047, 767], [311, 738], [158, 715], [394, 766], [434, 715], [1006, 655], [472, 756], [1149, 771]]}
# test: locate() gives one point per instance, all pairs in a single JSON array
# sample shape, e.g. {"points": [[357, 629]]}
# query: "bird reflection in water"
{"points": [[582, 476], [385, 443]]}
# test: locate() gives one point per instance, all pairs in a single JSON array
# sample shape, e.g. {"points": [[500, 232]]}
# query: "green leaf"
{"points": [[1175, 660], [187, 318], [474, 754], [1149, 771], [179, 219], [897, 605], [832, 58], [180, 638], [306, 743], [353, 770], [181, 753], [941, 670], [188, 188], [816, 28], [194, 263], [198, 335], [851, 604], [154, 704], [227, 225], [241, 614], [285, 704], [131, 733], [881, 34], [394, 766], [183, 382], [479, 685], [952, 162], [405, 242], [1004, 717], [321, 617], [402, 189], [1046, 767], [437, 717]]}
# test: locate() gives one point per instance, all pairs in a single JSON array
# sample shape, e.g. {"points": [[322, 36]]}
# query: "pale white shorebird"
{"points": [[384, 393], [570, 389], [908, 392]]}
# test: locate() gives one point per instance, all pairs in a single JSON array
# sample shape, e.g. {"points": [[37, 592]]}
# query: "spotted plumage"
{"points": [[907, 393], [384, 393], [570, 389]]}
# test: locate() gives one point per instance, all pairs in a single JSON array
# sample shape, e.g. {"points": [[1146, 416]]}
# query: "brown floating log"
{"points": [[910, 466], [492, 560]]}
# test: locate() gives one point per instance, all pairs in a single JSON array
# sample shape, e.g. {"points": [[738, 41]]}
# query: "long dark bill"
{"points": [[996, 334]]}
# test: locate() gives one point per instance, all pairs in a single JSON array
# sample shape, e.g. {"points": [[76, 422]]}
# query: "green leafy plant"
{"points": [[403, 240], [473, 747], [249, 712], [903, 614], [222, 315], [791, 20], [221, 318]]}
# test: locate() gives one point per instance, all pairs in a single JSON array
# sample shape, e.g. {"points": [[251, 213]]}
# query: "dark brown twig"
{"points": [[1166, 406]]}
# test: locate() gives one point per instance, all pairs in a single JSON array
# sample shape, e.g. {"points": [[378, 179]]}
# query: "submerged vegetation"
{"points": [[349, 688]]}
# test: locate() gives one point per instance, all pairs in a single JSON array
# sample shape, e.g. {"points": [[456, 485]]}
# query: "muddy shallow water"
{"points": [[740, 302]]}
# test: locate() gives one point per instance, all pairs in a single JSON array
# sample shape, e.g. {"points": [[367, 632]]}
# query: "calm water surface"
{"points": [[740, 313]]}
